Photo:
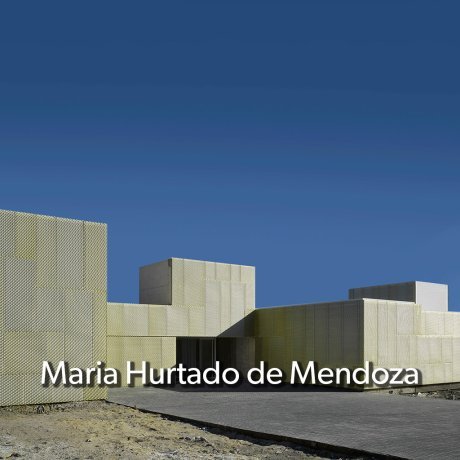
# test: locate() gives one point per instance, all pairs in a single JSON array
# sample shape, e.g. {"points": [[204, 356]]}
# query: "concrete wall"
{"points": [[208, 299], [431, 296], [53, 298]]}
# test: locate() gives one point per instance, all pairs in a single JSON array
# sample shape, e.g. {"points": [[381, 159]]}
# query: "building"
{"points": [[53, 307]]}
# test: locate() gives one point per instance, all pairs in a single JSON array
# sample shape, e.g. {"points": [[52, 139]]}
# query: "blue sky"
{"points": [[318, 141]]}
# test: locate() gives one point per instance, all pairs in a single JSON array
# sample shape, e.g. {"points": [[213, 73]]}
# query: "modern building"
{"points": [[53, 307]]}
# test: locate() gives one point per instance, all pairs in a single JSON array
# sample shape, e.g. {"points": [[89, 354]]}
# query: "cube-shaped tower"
{"points": [[431, 296]]}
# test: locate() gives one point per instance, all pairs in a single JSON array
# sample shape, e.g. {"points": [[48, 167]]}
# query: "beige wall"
{"points": [[53, 299]]}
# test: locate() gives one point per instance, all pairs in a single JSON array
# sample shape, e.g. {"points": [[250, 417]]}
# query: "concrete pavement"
{"points": [[386, 425]]}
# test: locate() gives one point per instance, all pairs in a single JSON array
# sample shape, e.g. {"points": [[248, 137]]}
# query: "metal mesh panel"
{"points": [[99, 327], [321, 334], [250, 300], [456, 359], [434, 323], [213, 295], [138, 349], [197, 321], [7, 233], [438, 372], [422, 324], [264, 323], [78, 313], [392, 322], [423, 350], [26, 236], [296, 334], [95, 256], [46, 313], [413, 351], [352, 338], [335, 334], [418, 319], [248, 274], [279, 321], [49, 314], [168, 352], [212, 321], [94, 393], [78, 350], [405, 318], [223, 272], [177, 321], [403, 351], [177, 277], [12, 390], [24, 352], [263, 350], [427, 373], [237, 294], [448, 371], [277, 353], [449, 323], [310, 333], [19, 293], [215, 300], [456, 325], [135, 320], [194, 284], [114, 318], [447, 349], [157, 321], [55, 344], [70, 255], [235, 273], [224, 305], [435, 345], [210, 270], [114, 353], [2, 297], [382, 333], [46, 252], [371, 330]]}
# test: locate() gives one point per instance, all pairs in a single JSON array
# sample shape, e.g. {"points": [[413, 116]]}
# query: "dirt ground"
{"points": [[96, 430]]}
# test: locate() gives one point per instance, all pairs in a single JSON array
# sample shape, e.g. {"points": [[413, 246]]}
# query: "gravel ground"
{"points": [[101, 430], [441, 394]]}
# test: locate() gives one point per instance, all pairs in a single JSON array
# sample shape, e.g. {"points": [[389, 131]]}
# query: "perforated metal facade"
{"points": [[205, 299], [53, 307], [402, 334], [331, 334], [53, 303]]}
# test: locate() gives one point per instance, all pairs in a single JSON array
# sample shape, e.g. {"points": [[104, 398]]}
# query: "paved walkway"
{"points": [[395, 426]]}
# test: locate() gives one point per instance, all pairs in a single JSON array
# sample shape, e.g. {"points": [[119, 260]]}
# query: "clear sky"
{"points": [[316, 140]]}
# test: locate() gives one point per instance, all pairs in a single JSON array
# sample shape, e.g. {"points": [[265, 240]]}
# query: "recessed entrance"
{"points": [[196, 352]]}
